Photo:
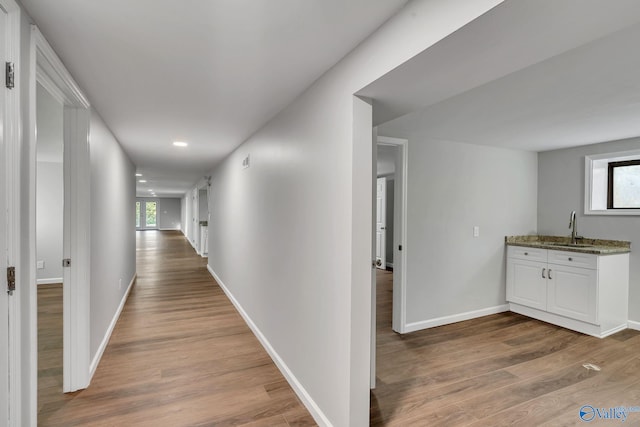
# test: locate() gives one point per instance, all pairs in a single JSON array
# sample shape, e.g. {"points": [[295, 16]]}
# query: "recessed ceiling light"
{"points": [[180, 143], [143, 180], [151, 191], [138, 174]]}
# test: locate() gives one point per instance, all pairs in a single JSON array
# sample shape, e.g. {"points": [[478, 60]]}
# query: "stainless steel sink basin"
{"points": [[569, 245]]}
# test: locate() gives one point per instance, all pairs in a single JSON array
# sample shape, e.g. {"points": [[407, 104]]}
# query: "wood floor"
{"points": [[49, 344], [503, 369], [179, 356], [182, 356]]}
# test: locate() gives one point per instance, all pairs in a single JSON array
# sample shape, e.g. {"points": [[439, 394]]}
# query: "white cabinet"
{"points": [[584, 292], [525, 284], [572, 292]]}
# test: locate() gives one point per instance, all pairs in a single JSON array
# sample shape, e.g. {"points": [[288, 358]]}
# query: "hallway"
{"points": [[180, 355]]}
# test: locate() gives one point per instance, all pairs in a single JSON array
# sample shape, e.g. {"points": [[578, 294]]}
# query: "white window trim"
{"points": [[595, 187]]}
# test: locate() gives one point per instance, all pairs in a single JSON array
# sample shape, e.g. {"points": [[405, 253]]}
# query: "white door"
{"points": [[147, 215], [4, 297], [381, 223]]}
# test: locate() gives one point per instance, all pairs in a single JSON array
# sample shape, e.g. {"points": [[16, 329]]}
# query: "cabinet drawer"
{"points": [[573, 259], [531, 254]]}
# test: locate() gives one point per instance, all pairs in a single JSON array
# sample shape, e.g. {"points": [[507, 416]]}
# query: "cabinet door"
{"points": [[526, 284], [572, 292]]}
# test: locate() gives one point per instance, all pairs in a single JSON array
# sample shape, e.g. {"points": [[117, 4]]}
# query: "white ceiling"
{"points": [[207, 72], [530, 74]]}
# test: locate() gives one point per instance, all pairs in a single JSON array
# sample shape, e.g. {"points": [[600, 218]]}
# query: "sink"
{"points": [[569, 245]]}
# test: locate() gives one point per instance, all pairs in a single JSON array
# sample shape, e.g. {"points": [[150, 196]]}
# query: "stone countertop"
{"points": [[563, 243]]}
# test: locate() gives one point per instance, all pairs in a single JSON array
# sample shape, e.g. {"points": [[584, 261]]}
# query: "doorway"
{"points": [[388, 296], [49, 241], [203, 221], [47, 72], [147, 214], [392, 163]]}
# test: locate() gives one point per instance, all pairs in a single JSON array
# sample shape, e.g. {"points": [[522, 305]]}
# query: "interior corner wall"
{"points": [[453, 187], [291, 219], [113, 245], [561, 190]]}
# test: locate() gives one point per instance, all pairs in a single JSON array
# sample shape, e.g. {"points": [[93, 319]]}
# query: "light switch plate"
{"points": [[39, 265], [476, 231]]}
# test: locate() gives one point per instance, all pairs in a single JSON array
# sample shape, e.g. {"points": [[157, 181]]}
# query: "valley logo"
{"points": [[589, 413]]}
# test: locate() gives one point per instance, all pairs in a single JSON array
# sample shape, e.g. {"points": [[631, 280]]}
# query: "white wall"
{"points": [[386, 166], [203, 205], [390, 218], [169, 216], [561, 190], [184, 223], [113, 246], [168, 211], [49, 221], [292, 217], [453, 187], [49, 187]]}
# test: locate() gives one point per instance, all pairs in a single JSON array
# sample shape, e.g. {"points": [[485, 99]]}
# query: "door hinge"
{"points": [[66, 262], [10, 75], [11, 280]]}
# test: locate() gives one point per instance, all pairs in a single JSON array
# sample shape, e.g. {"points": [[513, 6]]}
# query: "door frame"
{"points": [[399, 322], [12, 146], [143, 208], [48, 70], [382, 258], [202, 186]]}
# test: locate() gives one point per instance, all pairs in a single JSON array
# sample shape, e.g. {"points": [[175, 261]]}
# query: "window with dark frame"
{"points": [[623, 191]]}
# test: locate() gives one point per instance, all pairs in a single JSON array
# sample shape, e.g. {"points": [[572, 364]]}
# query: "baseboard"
{"points": [[107, 336], [170, 229], [304, 396], [631, 324], [193, 244], [389, 265], [49, 281], [445, 320]]}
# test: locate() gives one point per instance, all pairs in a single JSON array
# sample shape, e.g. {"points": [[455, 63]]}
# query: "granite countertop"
{"points": [[563, 243]]}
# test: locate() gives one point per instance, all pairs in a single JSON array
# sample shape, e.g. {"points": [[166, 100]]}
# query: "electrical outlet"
{"points": [[476, 231], [245, 162], [40, 265]]}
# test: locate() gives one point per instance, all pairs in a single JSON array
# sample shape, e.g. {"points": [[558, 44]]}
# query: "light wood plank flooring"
{"points": [[49, 344], [182, 356], [503, 369], [179, 356]]}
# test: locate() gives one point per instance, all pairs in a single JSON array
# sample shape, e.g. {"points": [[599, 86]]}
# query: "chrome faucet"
{"points": [[573, 225]]}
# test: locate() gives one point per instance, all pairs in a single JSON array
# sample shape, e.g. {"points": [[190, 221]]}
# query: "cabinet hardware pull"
{"points": [[550, 275], [526, 253], [543, 270], [570, 259]]}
